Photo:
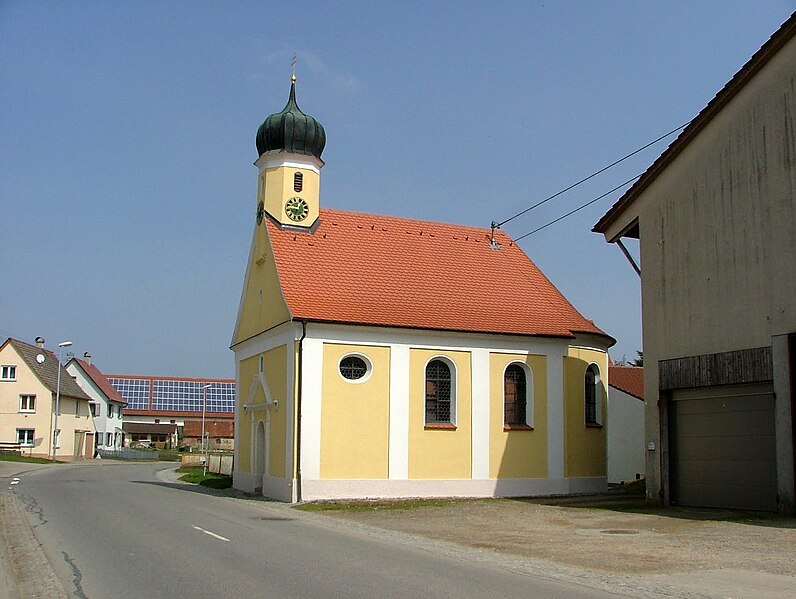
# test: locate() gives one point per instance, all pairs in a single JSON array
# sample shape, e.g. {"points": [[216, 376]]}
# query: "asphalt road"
{"points": [[120, 531]]}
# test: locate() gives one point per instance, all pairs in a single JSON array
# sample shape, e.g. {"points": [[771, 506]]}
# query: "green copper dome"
{"points": [[291, 131]]}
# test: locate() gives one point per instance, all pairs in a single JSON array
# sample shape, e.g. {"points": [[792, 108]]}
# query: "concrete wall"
{"points": [[625, 436], [717, 236]]}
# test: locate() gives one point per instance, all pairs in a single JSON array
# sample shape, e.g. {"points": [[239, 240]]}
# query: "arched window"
{"points": [[515, 395], [440, 403], [591, 394], [298, 181]]}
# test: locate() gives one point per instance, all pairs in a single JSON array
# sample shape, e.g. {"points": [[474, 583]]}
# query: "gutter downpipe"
{"points": [[298, 408]]}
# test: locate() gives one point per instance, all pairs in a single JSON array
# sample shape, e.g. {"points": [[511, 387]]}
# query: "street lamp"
{"points": [[58, 396], [204, 442]]}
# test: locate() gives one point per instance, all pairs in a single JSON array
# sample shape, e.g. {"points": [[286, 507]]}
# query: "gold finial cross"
{"points": [[293, 67]]}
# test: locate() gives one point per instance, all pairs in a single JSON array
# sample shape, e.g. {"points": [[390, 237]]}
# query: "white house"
{"points": [[106, 403]]}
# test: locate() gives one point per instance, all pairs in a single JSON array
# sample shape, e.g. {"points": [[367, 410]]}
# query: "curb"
{"points": [[30, 571]]}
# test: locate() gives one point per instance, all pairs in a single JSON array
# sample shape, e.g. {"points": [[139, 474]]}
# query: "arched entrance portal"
{"points": [[259, 460]]}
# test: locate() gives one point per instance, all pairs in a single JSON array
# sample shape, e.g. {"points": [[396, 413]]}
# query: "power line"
{"points": [[589, 203], [602, 170]]}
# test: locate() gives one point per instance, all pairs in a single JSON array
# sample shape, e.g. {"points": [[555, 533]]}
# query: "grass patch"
{"points": [[194, 475], [10, 456], [376, 505]]}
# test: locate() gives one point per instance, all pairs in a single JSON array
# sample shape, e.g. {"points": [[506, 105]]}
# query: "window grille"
{"points": [[590, 382], [514, 395], [298, 181], [353, 368], [438, 392]]}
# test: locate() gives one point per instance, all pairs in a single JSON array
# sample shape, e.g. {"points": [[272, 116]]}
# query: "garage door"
{"points": [[722, 447]]}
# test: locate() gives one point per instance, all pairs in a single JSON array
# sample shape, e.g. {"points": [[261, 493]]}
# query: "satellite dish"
{"points": [[40, 358]]}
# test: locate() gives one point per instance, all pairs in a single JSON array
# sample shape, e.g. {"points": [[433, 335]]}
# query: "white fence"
{"points": [[218, 463]]}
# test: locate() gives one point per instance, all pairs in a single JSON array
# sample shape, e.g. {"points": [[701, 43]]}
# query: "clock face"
{"points": [[260, 212], [296, 209]]}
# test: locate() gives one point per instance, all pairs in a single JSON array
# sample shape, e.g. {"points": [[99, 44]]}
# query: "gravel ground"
{"points": [[620, 542], [617, 544]]}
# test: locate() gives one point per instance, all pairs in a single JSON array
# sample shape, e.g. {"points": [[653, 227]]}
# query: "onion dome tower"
{"points": [[291, 130], [290, 144]]}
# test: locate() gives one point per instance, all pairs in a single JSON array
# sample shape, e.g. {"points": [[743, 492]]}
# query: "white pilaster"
{"points": [[480, 414], [555, 416], [399, 412], [311, 393]]}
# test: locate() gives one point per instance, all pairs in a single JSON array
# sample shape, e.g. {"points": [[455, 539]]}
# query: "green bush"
{"points": [[195, 476]]}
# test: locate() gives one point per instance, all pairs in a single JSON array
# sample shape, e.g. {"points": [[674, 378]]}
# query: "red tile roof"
{"points": [[99, 379], [369, 269], [629, 379], [48, 370], [213, 428]]}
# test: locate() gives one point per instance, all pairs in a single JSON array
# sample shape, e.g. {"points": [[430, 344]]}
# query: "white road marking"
{"points": [[212, 534]]}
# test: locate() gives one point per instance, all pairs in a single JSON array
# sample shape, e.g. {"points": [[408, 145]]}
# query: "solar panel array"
{"points": [[134, 391], [175, 396]]}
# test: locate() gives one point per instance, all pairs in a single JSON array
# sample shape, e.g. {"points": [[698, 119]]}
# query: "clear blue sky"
{"points": [[127, 191]]}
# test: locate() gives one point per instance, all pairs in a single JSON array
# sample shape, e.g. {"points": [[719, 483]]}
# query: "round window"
{"points": [[353, 368]]}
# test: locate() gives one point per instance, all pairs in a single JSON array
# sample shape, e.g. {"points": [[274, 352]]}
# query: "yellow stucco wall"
{"points": [[276, 185], [263, 306], [243, 434], [275, 366], [275, 370], [355, 417], [584, 446], [433, 453], [518, 453]]}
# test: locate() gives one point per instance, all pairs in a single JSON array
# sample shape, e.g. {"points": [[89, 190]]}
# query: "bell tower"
{"points": [[290, 144]]}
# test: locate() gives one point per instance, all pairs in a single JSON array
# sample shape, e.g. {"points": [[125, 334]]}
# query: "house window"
{"points": [[515, 396], [100, 439], [298, 181], [25, 436], [8, 373], [27, 403], [440, 399], [354, 368], [110, 410], [592, 394], [95, 409], [109, 439]]}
